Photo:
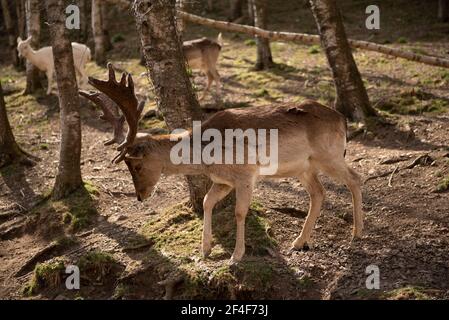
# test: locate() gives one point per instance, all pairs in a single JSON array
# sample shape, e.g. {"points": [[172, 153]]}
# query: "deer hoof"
{"points": [[300, 247], [206, 252]]}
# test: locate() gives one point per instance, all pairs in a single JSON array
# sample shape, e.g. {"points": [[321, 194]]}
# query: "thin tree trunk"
{"points": [[10, 151], [84, 32], [166, 63], [33, 26], [68, 177], [264, 57], [312, 39], [21, 23], [105, 26], [351, 97], [12, 36], [443, 10], [97, 31], [235, 9], [180, 23], [210, 5]]}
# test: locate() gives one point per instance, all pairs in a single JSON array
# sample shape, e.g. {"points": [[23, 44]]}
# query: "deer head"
{"points": [[134, 148], [23, 46]]}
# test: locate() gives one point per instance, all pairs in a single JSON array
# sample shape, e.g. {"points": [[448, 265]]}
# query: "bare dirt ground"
{"points": [[404, 161]]}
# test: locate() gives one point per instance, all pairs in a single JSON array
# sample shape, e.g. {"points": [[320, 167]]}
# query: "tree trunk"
{"points": [[210, 5], [312, 39], [83, 32], [264, 57], [12, 36], [235, 9], [68, 177], [351, 97], [20, 13], [180, 23], [105, 26], [21, 23], [166, 63], [33, 26], [443, 10], [10, 151], [97, 31]]}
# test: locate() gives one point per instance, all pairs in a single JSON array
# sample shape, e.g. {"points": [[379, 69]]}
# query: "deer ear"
{"points": [[19, 39], [29, 39]]}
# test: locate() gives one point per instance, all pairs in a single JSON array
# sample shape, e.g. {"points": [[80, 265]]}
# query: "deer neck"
{"points": [[32, 57], [164, 149]]}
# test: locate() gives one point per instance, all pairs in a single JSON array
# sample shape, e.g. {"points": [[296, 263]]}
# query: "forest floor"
{"points": [[125, 248]]}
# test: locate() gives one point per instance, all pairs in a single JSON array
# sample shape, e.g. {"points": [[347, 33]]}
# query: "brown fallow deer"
{"points": [[311, 140], [203, 54]]}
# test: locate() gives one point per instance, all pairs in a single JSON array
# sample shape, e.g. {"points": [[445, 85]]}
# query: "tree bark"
{"points": [[235, 9], [443, 10], [83, 32], [20, 13], [97, 31], [105, 26], [264, 57], [12, 36], [180, 23], [10, 152], [33, 26], [351, 97], [68, 177], [20, 27], [312, 39], [165, 60]]}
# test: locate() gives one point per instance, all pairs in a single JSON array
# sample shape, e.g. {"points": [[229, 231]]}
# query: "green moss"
{"points": [[402, 40], [96, 264], [118, 37], [305, 282], [414, 103], [262, 93], [407, 293], [314, 49], [45, 275], [443, 185], [91, 188], [43, 146], [176, 234], [250, 42]]}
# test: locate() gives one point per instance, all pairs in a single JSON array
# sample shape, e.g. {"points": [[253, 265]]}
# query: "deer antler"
{"points": [[122, 93], [110, 114]]}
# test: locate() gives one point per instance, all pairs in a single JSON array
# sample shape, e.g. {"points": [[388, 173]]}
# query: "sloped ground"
{"points": [[130, 247]]}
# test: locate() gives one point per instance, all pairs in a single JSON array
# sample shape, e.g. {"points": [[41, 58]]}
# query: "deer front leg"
{"points": [[316, 193], [243, 200], [216, 193]]}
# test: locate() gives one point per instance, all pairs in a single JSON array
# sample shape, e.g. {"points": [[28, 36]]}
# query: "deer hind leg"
{"points": [[351, 179], [315, 190], [216, 77], [243, 199], [210, 78], [216, 193]]}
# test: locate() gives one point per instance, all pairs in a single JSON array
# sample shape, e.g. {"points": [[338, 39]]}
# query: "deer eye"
{"points": [[138, 167]]}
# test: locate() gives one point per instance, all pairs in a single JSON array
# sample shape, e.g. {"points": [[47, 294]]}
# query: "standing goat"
{"points": [[43, 59], [203, 54], [312, 140]]}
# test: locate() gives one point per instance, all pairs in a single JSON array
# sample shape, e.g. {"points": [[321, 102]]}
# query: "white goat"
{"points": [[43, 59]]}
